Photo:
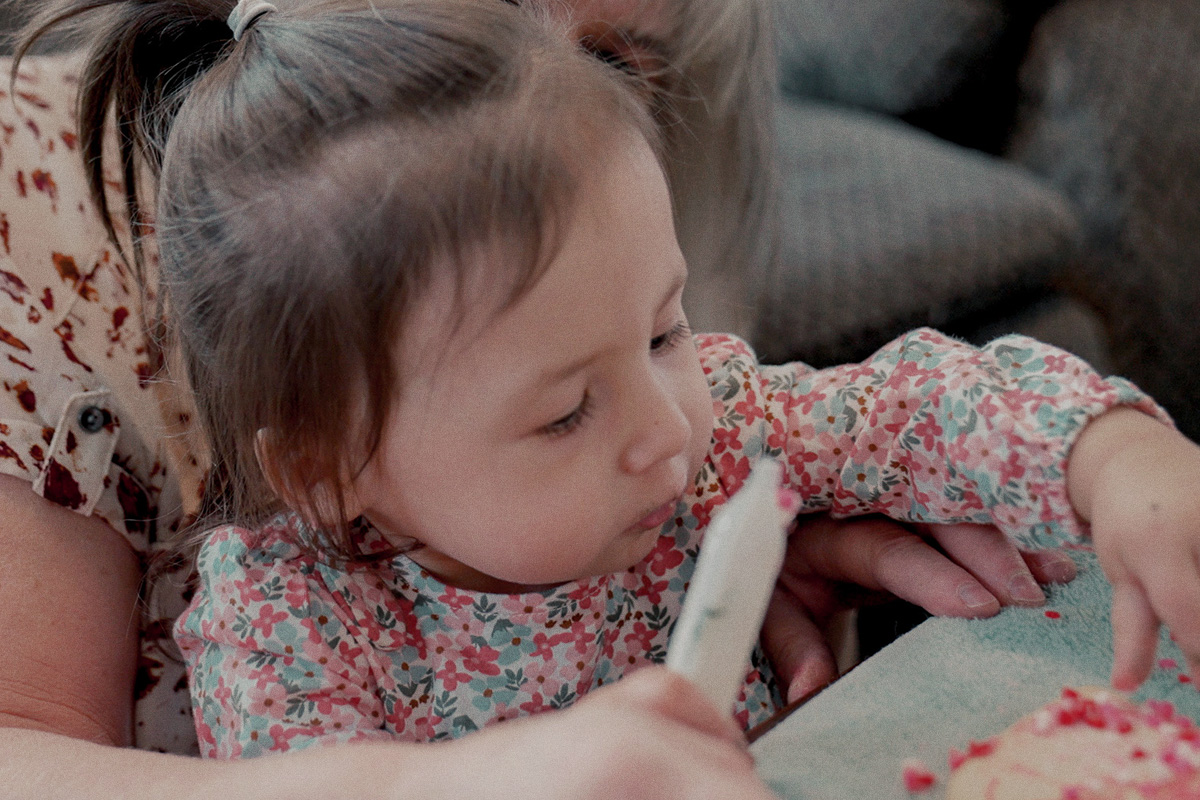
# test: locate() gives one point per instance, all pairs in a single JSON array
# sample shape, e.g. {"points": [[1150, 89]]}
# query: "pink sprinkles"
{"points": [[917, 777], [1178, 751]]}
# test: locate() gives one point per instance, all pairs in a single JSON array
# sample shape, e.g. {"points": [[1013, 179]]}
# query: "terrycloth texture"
{"points": [[886, 227], [945, 683]]}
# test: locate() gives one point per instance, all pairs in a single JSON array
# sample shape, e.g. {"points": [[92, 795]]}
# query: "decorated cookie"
{"points": [[1090, 744]]}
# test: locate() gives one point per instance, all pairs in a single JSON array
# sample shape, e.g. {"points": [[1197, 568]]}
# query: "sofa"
{"points": [[987, 166]]}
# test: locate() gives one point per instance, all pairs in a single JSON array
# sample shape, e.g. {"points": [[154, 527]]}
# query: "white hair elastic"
{"points": [[245, 14]]}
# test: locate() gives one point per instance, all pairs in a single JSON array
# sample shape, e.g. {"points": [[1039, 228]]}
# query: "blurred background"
{"points": [[989, 166]]}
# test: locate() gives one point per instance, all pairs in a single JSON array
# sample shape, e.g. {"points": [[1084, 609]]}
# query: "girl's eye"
{"points": [[668, 341], [572, 421]]}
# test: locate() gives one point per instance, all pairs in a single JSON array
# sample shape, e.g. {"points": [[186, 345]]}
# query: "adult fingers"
{"points": [[796, 646], [878, 553], [1135, 634], [992, 559], [1050, 566]]}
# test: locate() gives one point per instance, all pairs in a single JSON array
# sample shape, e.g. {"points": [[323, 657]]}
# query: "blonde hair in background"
{"points": [[720, 156]]}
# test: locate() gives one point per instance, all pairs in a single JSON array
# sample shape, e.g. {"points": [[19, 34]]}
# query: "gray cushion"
{"points": [[1112, 119], [887, 55], [885, 227]]}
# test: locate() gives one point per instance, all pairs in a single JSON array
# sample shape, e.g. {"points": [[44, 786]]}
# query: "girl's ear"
{"points": [[296, 479]]}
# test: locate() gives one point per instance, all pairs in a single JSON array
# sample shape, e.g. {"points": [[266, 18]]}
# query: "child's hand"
{"points": [[651, 736], [1138, 483]]}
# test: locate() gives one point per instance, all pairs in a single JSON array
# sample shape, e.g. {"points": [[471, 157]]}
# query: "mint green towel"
{"points": [[950, 681]]}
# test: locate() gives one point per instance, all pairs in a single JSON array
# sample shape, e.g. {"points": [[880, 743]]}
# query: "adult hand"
{"points": [[651, 736], [949, 570]]}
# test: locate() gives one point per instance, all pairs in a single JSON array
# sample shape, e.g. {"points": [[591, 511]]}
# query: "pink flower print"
{"points": [[749, 408], [296, 593], [482, 660], [777, 439], [541, 677], [907, 372], [703, 511], [928, 431], [806, 487], [347, 652], [977, 452], [451, 677], [535, 705], [581, 637], [207, 740], [454, 599], [808, 401], [665, 556], [799, 457], [987, 407], [249, 592], [873, 446], [314, 634], [264, 676], [1012, 469], [725, 438], [267, 619], [1056, 363], [281, 737], [544, 646], [652, 590], [641, 638], [733, 471], [269, 701]]}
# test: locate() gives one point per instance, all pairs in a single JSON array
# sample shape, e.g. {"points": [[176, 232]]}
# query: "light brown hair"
{"points": [[308, 179]]}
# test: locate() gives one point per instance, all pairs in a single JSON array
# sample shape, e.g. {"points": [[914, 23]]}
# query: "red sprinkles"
{"points": [[917, 777]]}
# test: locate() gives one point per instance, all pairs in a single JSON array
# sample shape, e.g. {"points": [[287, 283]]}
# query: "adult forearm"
{"points": [[45, 766]]}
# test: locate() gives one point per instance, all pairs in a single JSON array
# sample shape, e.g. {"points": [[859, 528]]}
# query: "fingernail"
{"points": [[975, 596], [1059, 570], [1024, 589]]}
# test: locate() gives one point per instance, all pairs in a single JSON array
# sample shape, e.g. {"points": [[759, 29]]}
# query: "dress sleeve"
{"points": [[928, 429], [275, 660]]}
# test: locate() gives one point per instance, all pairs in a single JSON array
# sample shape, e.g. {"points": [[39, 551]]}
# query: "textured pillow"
{"points": [[1112, 119], [885, 227], [894, 56]]}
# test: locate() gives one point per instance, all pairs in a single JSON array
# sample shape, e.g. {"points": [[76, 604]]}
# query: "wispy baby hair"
{"points": [[311, 177]]}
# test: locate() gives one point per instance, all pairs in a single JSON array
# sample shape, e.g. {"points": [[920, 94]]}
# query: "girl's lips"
{"points": [[659, 516]]}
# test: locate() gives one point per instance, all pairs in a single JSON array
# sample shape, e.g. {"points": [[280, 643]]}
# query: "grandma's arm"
{"points": [[949, 570], [68, 593]]}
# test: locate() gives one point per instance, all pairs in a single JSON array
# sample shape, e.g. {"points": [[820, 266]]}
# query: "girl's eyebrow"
{"points": [[558, 374]]}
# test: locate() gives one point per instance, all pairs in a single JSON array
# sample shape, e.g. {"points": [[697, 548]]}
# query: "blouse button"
{"points": [[93, 419]]}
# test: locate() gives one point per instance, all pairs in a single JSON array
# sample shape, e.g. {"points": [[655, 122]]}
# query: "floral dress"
{"points": [[287, 651], [80, 417]]}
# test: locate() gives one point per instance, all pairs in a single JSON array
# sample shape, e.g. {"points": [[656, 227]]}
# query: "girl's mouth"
{"points": [[659, 516]]}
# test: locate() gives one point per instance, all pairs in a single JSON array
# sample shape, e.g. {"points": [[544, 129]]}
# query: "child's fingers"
{"points": [[1176, 598], [1135, 635]]}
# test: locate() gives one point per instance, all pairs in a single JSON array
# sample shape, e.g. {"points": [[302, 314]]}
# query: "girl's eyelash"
{"points": [[671, 338], [569, 423]]}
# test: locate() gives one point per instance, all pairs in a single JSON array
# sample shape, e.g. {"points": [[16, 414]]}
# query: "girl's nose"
{"points": [[661, 430]]}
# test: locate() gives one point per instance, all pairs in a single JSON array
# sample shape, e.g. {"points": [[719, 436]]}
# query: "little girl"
{"points": [[427, 291]]}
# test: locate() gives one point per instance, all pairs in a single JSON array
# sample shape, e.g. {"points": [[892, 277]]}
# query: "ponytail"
{"points": [[144, 56]]}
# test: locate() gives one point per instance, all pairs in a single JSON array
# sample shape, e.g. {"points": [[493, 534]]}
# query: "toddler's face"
{"points": [[552, 440]]}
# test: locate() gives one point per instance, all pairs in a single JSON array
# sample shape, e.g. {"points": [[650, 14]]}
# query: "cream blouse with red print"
{"points": [[79, 418], [285, 651]]}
